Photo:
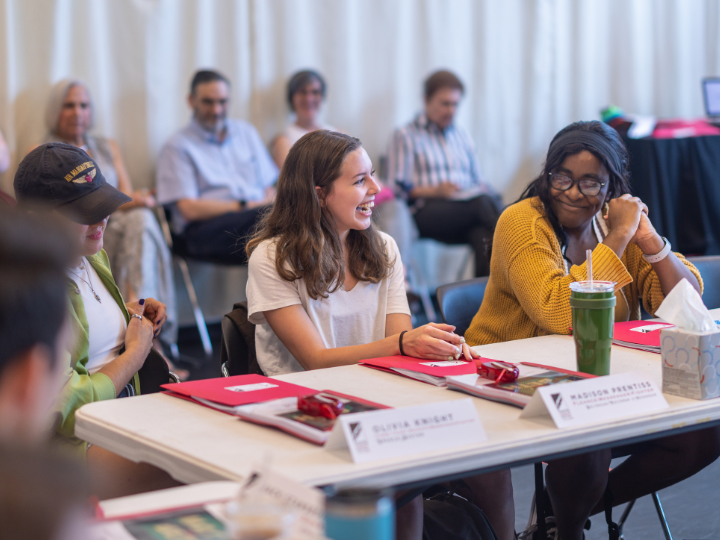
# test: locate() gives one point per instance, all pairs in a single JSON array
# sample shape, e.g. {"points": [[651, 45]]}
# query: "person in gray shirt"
{"points": [[215, 175]]}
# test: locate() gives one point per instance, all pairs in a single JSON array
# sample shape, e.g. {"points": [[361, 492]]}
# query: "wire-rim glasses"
{"points": [[563, 182]]}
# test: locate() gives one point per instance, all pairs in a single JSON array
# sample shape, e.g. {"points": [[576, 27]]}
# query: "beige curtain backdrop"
{"points": [[530, 66]]}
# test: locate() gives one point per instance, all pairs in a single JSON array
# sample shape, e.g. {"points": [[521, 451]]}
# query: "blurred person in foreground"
{"points": [[113, 339], [433, 163], [133, 241], [41, 492], [215, 175]]}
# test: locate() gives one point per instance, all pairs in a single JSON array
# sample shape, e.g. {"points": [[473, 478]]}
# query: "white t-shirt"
{"points": [[344, 318], [106, 321]]}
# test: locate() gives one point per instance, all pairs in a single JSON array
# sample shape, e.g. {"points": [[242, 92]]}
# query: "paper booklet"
{"points": [[198, 512], [518, 392], [227, 393], [640, 335], [428, 371], [283, 414], [195, 523], [190, 511]]}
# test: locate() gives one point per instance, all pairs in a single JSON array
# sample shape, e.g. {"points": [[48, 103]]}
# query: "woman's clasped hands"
{"points": [[628, 216], [153, 310], [437, 342]]}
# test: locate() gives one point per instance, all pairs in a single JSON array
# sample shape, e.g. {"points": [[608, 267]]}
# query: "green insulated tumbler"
{"points": [[593, 316]]}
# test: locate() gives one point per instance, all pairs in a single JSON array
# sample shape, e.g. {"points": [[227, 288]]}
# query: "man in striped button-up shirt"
{"points": [[433, 164]]}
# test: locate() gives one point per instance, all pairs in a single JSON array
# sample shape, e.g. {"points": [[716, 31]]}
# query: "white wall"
{"points": [[530, 66]]}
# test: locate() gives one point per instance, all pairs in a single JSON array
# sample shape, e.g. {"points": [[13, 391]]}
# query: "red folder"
{"points": [[644, 335], [238, 390], [427, 372]]}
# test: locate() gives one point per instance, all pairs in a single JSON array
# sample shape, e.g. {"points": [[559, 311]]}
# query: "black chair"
{"points": [[237, 351], [460, 301], [710, 271], [154, 373]]}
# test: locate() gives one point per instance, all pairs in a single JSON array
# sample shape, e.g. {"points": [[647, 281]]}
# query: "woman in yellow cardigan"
{"points": [[581, 201]]}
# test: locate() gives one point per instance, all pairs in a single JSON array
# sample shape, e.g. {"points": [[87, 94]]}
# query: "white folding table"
{"points": [[194, 443]]}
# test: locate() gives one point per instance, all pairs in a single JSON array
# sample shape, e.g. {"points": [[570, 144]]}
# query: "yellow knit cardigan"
{"points": [[528, 293]]}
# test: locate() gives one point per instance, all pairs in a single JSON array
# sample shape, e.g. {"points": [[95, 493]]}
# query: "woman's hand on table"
{"points": [[154, 311], [436, 342]]}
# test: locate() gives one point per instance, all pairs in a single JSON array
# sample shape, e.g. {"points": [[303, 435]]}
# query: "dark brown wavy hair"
{"points": [[305, 234]]}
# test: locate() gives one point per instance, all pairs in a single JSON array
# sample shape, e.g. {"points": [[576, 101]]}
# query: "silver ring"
{"points": [[136, 316]]}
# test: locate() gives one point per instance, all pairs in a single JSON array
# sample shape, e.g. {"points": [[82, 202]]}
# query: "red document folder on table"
{"points": [[237, 390], [641, 335], [429, 371], [520, 391], [284, 414]]}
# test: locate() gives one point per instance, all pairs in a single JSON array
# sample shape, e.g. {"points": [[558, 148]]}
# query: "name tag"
{"points": [[646, 329], [444, 363], [391, 433], [596, 400], [251, 387], [308, 503]]}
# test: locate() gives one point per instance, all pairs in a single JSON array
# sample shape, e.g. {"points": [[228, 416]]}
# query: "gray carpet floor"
{"points": [[692, 508]]}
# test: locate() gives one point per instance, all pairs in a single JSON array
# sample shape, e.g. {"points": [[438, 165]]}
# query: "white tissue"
{"points": [[684, 308]]}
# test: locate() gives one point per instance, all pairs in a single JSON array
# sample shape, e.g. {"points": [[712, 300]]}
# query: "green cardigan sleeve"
{"points": [[81, 387]]}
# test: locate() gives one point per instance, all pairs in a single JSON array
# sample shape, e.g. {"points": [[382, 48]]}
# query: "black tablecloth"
{"points": [[679, 180]]}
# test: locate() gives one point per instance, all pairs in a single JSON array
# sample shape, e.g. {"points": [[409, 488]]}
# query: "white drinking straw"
{"points": [[588, 254]]}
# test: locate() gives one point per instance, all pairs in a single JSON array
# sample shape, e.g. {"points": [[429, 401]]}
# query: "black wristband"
{"points": [[401, 347]]}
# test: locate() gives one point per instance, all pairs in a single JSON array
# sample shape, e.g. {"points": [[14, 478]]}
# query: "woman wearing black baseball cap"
{"points": [[113, 339]]}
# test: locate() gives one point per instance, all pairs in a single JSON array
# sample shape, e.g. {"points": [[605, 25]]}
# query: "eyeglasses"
{"points": [[315, 92], [563, 182]]}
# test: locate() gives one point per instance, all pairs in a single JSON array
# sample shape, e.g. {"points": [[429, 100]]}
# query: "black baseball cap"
{"points": [[65, 178]]}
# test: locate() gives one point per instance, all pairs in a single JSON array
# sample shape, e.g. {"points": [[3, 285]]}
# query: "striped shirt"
{"points": [[422, 154]]}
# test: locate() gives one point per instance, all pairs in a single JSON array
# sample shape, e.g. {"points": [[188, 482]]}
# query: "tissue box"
{"points": [[691, 363]]}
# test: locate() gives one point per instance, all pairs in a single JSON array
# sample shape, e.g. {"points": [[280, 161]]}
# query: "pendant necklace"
{"points": [[83, 266]]}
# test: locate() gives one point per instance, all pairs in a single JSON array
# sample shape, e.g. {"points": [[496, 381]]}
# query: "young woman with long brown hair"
{"points": [[325, 288]]}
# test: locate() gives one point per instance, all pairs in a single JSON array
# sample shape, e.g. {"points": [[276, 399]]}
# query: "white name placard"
{"points": [[596, 400], [392, 433], [308, 503]]}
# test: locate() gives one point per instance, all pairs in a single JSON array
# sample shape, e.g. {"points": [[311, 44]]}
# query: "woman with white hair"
{"points": [[139, 257]]}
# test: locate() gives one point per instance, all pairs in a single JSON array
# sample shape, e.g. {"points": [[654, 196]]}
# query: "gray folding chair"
{"points": [[710, 271], [179, 257]]}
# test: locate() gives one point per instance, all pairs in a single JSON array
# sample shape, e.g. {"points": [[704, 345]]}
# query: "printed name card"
{"points": [[392, 433], [596, 400], [307, 503]]}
